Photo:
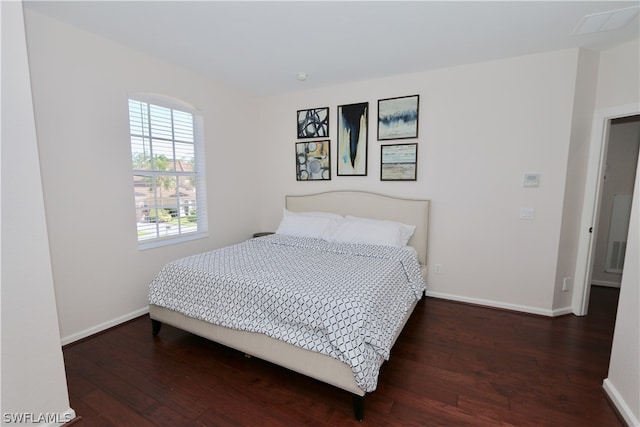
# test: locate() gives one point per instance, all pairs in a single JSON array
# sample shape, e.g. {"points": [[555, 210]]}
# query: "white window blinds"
{"points": [[167, 171]]}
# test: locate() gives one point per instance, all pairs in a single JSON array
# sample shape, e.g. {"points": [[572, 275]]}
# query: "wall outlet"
{"points": [[565, 284], [527, 214], [437, 268]]}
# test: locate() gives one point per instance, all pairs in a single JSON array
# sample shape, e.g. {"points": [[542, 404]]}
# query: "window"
{"points": [[168, 172]]}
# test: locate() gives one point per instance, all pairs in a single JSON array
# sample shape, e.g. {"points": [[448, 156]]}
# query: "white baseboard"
{"points": [[103, 326], [620, 404], [561, 311], [505, 306]]}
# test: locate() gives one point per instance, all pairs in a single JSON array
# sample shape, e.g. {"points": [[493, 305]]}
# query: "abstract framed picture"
{"points": [[398, 117], [313, 161], [398, 162], [313, 123], [353, 137]]}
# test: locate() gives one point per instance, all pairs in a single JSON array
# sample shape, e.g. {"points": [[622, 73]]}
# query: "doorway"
{"points": [[603, 122], [621, 161]]}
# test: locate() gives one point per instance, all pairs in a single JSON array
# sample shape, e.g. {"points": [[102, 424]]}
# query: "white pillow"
{"points": [[320, 225], [373, 232]]}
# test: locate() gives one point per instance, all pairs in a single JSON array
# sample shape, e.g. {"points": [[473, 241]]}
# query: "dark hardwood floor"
{"points": [[453, 365]]}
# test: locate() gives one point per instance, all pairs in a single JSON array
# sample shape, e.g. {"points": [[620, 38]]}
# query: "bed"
{"points": [[335, 369]]}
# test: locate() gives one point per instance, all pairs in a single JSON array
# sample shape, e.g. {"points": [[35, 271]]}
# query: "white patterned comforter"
{"points": [[343, 300]]}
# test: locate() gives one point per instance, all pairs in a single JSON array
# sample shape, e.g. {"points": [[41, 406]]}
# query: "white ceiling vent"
{"points": [[606, 21]]}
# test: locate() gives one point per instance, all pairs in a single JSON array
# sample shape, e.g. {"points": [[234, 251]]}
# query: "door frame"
{"points": [[591, 203]]}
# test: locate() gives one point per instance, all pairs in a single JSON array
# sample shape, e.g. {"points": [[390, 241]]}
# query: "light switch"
{"points": [[527, 214]]}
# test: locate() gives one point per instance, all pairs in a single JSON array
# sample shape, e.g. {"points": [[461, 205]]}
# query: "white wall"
{"points": [[33, 377], [623, 381], [482, 127], [618, 82], [619, 85], [80, 86]]}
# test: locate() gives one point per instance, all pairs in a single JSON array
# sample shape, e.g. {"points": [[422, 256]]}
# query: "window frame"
{"points": [[199, 170]]}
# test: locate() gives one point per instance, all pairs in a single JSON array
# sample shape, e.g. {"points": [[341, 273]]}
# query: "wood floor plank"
{"points": [[115, 411], [110, 382], [453, 365]]}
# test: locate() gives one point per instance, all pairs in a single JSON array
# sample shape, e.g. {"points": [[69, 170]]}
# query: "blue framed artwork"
{"points": [[398, 117]]}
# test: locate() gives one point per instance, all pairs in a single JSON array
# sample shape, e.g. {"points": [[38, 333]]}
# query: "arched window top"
{"points": [[165, 101]]}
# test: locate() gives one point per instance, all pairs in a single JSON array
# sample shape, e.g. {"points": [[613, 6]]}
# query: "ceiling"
{"points": [[261, 46]]}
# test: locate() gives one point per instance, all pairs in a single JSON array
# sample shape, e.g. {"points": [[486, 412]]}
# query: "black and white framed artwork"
{"points": [[313, 123]]}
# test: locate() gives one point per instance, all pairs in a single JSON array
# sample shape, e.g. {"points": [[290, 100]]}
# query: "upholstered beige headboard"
{"points": [[371, 205]]}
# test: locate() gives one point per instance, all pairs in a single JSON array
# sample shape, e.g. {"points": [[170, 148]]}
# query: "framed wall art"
{"points": [[353, 137], [398, 162], [313, 123], [398, 117], [313, 161]]}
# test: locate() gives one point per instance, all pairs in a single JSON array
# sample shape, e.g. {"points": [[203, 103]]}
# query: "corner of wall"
{"points": [[586, 80]]}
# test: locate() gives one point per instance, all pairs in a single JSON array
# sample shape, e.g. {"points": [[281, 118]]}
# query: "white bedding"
{"points": [[343, 300]]}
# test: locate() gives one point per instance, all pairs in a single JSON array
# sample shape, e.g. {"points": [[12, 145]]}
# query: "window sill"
{"points": [[171, 240]]}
